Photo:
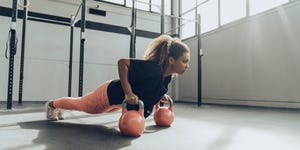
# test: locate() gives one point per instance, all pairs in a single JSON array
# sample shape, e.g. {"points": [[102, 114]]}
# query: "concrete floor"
{"points": [[209, 127]]}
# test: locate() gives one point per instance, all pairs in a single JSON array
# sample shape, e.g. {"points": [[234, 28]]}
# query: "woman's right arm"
{"points": [[123, 67]]}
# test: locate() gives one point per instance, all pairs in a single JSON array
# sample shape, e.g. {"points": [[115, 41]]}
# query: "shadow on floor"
{"points": [[61, 135], [153, 128]]}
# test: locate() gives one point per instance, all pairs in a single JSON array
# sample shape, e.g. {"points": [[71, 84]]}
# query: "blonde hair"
{"points": [[163, 47]]}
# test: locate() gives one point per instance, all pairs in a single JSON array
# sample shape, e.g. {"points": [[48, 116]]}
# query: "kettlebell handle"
{"points": [[141, 107], [170, 101]]}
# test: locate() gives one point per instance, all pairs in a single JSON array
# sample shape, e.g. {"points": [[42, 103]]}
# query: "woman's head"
{"points": [[167, 52]]}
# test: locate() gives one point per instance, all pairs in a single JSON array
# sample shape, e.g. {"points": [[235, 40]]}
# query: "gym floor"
{"points": [[209, 127]]}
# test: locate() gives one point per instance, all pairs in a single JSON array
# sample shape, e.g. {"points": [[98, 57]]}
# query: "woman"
{"points": [[146, 80]]}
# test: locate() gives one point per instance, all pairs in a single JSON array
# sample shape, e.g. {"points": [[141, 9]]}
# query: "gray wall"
{"points": [[254, 61], [47, 49]]}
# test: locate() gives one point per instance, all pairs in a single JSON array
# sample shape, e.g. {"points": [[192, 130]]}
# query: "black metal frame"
{"points": [[22, 52], [12, 53], [71, 57], [82, 41], [13, 49], [132, 49], [162, 17], [199, 51], [72, 24]]}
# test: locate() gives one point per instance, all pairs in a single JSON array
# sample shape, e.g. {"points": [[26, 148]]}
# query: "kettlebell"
{"points": [[164, 116], [132, 122]]}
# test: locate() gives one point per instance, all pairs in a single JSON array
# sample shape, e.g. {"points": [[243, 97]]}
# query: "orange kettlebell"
{"points": [[164, 116], [132, 122]]}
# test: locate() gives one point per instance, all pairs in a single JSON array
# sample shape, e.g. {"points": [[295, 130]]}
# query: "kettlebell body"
{"points": [[132, 122], [164, 116]]}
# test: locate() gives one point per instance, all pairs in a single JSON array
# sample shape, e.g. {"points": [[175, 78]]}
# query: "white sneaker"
{"points": [[60, 114], [51, 112]]}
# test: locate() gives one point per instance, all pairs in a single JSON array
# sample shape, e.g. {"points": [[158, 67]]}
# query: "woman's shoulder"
{"points": [[143, 62], [145, 65]]}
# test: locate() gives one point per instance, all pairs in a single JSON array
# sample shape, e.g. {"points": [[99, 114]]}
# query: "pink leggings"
{"points": [[94, 102]]}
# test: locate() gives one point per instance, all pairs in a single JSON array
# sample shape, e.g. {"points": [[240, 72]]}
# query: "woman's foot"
{"points": [[60, 113], [51, 112]]}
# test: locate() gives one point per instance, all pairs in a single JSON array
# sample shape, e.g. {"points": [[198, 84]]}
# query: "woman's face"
{"points": [[181, 64]]}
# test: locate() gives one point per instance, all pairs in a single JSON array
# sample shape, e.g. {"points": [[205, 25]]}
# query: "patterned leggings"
{"points": [[94, 102]]}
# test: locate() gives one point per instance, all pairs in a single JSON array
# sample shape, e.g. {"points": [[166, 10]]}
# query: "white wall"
{"points": [[254, 61], [47, 49]]}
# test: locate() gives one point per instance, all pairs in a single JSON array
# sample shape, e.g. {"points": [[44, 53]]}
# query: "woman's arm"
{"points": [[123, 67]]}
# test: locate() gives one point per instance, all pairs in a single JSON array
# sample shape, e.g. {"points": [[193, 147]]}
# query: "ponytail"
{"points": [[164, 47]]}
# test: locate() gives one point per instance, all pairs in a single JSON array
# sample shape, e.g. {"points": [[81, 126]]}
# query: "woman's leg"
{"points": [[113, 108], [94, 102]]}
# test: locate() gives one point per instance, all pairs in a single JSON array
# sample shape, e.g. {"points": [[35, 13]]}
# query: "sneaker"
{"points": [[60, 114], [51, 112]]}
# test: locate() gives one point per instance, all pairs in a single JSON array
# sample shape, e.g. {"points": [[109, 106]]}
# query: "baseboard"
{"points": [[260, 103]]}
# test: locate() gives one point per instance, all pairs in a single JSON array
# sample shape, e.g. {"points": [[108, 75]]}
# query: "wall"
{"points": [[253, 61], [47, 48]]}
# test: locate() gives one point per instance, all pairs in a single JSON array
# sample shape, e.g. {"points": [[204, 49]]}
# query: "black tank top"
{"points": [[146, 79]]}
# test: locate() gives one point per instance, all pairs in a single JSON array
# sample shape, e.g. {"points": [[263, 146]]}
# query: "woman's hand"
{"points": [[131, 98]]}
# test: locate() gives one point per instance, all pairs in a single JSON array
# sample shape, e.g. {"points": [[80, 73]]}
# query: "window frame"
{"points": [[247, 9]]}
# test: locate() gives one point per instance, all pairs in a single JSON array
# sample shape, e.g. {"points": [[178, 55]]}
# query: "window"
{"points": [[155, 5], [209, 15], [143, 5], [257, 6], [168, 7], [140, 4], [187, 4], [128, 3], [121, 2], [215, 13], [188, 27], [232, 10]]}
